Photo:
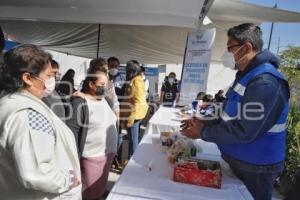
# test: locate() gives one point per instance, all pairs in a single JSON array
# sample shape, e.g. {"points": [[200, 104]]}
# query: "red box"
{"points": [[199, 172]]}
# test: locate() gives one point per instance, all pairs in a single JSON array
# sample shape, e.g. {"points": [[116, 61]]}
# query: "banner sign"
{"points": [[196, 64]]}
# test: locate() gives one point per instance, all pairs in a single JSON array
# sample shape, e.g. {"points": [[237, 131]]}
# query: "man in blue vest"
{"points": [[251, 130]]}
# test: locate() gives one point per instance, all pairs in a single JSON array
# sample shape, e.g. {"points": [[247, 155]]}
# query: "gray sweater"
{"points": [[55, 103], [78, 122]]}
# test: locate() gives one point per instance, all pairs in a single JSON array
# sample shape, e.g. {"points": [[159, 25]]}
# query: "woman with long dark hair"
{"points": [[66, 85], [134, 107]]}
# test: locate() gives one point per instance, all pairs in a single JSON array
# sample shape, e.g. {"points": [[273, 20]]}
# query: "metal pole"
{"points": [[271, 32], [278, 45], [205, 8], [98, 41]]}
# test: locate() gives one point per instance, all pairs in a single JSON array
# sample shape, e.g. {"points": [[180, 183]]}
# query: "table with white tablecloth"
{"points": [[164, 119], [139, 182]]}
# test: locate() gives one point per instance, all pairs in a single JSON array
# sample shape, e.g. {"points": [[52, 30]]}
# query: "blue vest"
{"points": [[268, 148]]}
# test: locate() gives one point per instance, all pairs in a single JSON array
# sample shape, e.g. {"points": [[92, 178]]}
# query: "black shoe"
{"points": [[105, 194], [116, 167]]}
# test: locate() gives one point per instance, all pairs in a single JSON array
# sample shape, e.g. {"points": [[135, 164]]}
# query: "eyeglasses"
{"points": [[235, 45]]}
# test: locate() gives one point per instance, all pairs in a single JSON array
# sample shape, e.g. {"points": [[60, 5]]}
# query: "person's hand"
{"points": [[191, 128], [74, 179], [174, 104], [78, 94], [128, 123], [184, 117], [76, 182], [186, 122]]}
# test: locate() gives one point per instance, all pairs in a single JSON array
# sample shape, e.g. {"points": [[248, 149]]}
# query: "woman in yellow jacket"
{"points": [[134, 106]]}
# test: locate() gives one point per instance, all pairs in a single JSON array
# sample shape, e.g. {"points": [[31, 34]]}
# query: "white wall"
{"points": [[66, 62], [219, 78], [177, 68]]}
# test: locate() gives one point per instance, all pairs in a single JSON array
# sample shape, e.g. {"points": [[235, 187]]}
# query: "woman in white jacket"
{"points": [[37, 150]]}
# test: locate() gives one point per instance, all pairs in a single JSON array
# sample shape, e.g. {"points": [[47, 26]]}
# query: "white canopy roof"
{"points": [[122, 12], [144, 43], [151, 31]]}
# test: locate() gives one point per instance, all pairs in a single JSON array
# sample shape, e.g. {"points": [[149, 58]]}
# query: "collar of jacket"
{"points": [[264, 56]]}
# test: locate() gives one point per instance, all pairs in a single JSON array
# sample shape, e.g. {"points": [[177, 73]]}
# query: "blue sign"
{"points": [[10, 44], [151, 71], [196, 64]]}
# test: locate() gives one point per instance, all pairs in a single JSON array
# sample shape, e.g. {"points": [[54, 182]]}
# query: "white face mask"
{"points": [[49, 85], [113, 71], [228, 59], [171, 80]]}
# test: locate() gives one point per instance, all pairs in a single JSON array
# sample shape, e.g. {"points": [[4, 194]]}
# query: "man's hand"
{"points": [[191, 128], [186, 122]]}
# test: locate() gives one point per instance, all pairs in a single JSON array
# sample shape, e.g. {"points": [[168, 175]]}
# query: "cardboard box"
{"points": [[198, 172]]}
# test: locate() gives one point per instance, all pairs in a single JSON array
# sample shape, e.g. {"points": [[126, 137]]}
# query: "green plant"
{"points": [[290, 68], [291, 57], [293, 142], [293, 77]]}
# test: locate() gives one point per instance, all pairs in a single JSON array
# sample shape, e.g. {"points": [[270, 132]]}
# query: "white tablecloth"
{"points": [[137, 182], [164, 119]]}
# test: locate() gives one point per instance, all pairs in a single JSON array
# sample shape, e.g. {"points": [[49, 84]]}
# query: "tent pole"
{"points": [[205, 8], [270, 37], [98, 40], [271, 32]]}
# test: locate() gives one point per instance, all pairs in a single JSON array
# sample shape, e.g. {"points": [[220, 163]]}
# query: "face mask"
{"points": [[100, 90], [228, 59], [113, 71], [49, 86], [171, 80]]}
